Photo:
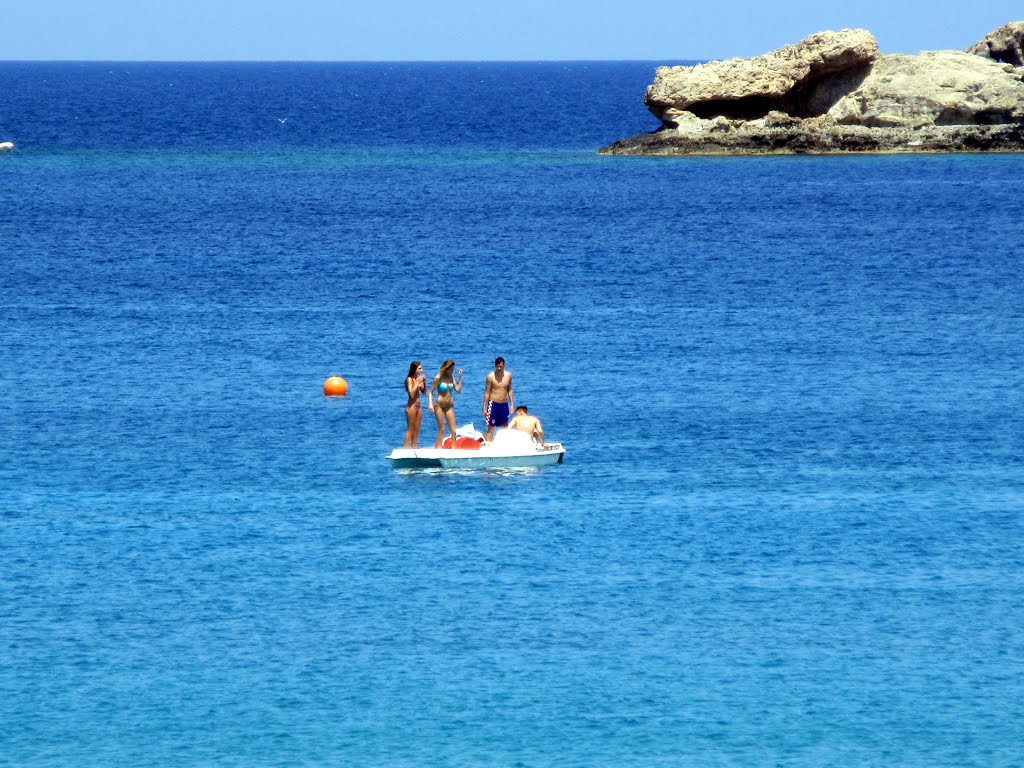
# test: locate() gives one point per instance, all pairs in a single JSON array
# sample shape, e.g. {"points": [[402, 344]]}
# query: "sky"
{"points": [[477, 30]]}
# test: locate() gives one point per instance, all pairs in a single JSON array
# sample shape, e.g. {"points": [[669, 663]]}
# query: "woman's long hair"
{"points": [[412, 372], [446, 369]]}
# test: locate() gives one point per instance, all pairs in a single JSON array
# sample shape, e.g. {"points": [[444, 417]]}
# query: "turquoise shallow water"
{"points": [[787, 532]]}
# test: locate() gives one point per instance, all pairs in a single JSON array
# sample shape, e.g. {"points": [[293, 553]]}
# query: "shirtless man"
{"points": [[499, 401], [524, 422]]}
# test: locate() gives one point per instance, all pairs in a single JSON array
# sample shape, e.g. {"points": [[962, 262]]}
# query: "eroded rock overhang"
{"points": [[802, 80]]}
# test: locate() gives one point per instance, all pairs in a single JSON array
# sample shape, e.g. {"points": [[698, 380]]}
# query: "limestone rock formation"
{"points": [[834, 92], [753, 87], [934, 88], [1005, 44]]}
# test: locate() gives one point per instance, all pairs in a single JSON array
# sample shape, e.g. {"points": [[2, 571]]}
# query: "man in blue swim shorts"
{"points": [[498, 398]]}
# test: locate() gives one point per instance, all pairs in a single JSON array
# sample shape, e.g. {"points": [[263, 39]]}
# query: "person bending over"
{"points": [[531, 425]]}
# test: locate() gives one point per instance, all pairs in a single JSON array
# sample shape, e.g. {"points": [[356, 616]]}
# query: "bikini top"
{"points": [[445, 386]]}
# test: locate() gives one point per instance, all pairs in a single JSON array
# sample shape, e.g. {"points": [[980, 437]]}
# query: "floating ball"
{"points": [[335, 387]]}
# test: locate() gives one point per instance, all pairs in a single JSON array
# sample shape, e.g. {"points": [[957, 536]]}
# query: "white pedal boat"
{"points": [[509, 449]]}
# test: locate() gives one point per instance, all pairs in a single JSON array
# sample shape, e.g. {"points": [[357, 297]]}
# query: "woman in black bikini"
{"points": [[444, 405], [415, 383]]}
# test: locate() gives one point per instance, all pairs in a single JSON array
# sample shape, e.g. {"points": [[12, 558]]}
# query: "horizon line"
{"points": [[346, 61]]}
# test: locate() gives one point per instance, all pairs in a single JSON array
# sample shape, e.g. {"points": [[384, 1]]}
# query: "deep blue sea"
{"points": [[789, 529]]}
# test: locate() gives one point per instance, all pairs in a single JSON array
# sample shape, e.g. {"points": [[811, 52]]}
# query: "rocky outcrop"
{"points": [[834, 92], [786, 80], [934, 88], [1005, 44]]}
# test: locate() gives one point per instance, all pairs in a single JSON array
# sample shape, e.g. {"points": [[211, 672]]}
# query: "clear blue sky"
{"points": [[398, 30]]}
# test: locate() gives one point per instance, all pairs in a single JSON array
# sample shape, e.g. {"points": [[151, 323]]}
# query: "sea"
{"points": [[788, 529]]}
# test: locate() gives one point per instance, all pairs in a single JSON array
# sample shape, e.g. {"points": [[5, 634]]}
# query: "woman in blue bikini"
{"points": [[444, 403]]}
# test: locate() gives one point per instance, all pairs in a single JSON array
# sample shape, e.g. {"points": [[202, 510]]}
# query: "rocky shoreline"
{"points": [[833, 92]]}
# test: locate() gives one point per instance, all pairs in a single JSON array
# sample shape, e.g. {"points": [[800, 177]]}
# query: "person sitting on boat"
{"points": [[444, 403], [531, 425]]}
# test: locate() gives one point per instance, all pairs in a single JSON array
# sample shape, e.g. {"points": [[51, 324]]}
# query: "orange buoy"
{"points": [[335, 387]]}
